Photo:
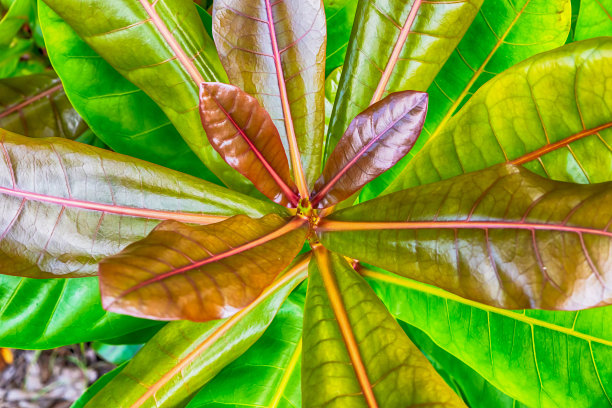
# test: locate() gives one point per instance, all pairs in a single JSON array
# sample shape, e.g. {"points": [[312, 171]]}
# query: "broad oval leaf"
{"points": [[275, 51], [120, 113], [594, 19], [502, 236], [199, 273], [544, 359], [184, 356], [66, 205], [396, 45], [244, 135], [375, 140], [36, 106], [163, 49], [547, 113], [355, 353]]}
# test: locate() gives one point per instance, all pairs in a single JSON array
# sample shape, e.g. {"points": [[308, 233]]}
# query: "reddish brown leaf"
{"points": [[375, 140], [245, 136], [199, 273]]}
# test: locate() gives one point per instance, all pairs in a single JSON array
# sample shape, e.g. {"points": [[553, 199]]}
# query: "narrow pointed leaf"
{"points": [[275, 51], [355, 354], [546, 113], [594, 19], [184, 356], [119, 113], [503, 34], [268, 374], [396, 45], [66, 205], [544, 359], [162, 48], [36, 106], [244, 135], [502, 236], [49, 313], [199, 273], [375, 140]]}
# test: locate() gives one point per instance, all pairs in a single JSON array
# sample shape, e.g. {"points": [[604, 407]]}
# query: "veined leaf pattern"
{"points": [[594, 19]]}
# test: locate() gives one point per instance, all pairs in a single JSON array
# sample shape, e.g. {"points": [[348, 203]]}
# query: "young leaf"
{"points": [[542, 358], [48, 187], [275, 51], [120, 113], [545, 113], [49, 313], [375, 140], [184, 356], [502, 236], [396, 45], [199, 273], [162, 48], [244, 135], [355, 354], [594, 19]]}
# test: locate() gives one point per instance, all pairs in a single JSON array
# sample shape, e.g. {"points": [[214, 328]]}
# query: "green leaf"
{"points": [[594, 19], [547, 113], [331, 88], [396, 45], [339, 15], [116, 354], [19, 13], [502, 34], [122, 115], [268, 374], [163, 49], [96, 387], [542, 358], [36, 106], [199, 273], [375, 140], [66, 205], [241, 131], [158, 375], [502, 236], [355, 354], [49, 313], [275, 51]]}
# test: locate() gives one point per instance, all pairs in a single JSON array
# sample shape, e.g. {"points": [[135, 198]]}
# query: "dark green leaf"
{"points": [[116, 354]]}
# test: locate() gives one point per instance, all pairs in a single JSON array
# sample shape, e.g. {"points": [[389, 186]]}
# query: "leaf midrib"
{"points": [[31, 99]]}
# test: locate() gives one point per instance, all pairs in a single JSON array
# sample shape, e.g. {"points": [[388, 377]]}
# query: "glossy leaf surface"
{"points": [[546, 113], [268, 374], [502, 236], [143, 42], [503, 34], [36, 106], [275, 51], [544, 359], [120, 113], [339, 16], [66, 205], [158, 375], [241, 131], [594, 19], [49, 313], [375, 140], [199, 273], [396, 45], [355, 354]]}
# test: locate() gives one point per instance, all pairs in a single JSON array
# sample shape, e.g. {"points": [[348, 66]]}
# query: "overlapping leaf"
{"points": [[163, 49], [199, 273], [355, 354], [184, 355], [502, 236], [396, 45], [594, 19], [548, 113], [66, 205], [375, 140], [503, 34], [244, 135], [339, 16], [544, 359], [275, 51], [18, 13]]}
